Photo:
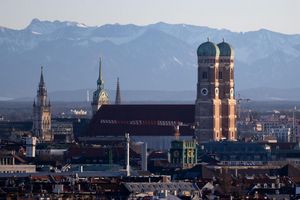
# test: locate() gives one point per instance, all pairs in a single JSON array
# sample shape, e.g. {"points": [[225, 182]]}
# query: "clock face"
{"points": [[204, 91], [190, 153], [176, 154], [103, 95]]}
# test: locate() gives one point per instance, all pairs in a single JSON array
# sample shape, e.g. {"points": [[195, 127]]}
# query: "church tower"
{"points": [[226, 80], [100, 96], [208, 104], [215, 104], [42, 113], [118, 93]]}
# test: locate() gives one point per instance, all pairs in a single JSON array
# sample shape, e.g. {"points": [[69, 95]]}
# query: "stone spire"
{"points": [[42, 82], [100, 82], [42, 113], [42, 91], [118, 93]]}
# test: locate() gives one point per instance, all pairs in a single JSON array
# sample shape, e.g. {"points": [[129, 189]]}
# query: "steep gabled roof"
{"points": [[141, 120]]}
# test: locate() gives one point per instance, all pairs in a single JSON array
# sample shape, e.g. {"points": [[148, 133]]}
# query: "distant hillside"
{"points": [[157, 57], [188, 96]]}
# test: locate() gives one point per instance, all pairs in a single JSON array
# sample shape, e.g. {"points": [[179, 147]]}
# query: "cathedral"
{"points": [[211, 118], [42, 113], [100, 96], [215, 104]]}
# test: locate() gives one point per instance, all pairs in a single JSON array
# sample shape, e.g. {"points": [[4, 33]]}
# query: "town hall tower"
{"points": [[42, 113]]}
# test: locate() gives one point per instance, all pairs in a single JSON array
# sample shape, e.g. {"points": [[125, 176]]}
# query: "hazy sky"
{"points": [[236, 15]]}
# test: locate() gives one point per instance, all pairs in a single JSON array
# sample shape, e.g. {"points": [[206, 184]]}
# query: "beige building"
{"points": [[12, 163], [42, 113], [215, 104]]}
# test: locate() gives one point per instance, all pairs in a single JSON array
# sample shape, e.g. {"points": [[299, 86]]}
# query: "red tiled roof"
{"points": [[141, 120]]}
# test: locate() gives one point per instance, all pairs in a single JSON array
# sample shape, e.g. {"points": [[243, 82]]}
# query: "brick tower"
{"points": [[208, 103], [226, 80], [215, 104]]}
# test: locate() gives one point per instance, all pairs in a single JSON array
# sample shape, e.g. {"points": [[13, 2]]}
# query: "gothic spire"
{"points": [[118, 93], [100, 82], [42, 83]]}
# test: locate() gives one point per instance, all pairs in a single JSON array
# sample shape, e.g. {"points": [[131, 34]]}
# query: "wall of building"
{"points": [[158, 142], [17, 168]]}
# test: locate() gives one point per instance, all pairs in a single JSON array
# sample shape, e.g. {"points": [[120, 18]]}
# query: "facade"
{"points": [[215, 104], [163, 190], [100, 96], [10, 162], [281, 131], [236, 153], [62, 131], [30, 147], [183, 153], [42, 113]]}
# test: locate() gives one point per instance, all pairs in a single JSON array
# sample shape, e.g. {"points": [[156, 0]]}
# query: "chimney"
{"points": [[127, 154], [144, 157]]}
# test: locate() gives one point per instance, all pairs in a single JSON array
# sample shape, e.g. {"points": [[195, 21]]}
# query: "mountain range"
{"points": [[156, 57]]}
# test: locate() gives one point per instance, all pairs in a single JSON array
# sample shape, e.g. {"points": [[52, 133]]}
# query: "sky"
{"points": [[235, 15]]}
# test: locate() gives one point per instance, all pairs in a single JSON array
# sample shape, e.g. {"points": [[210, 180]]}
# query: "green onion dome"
{"points": [[208, 49], [225, 49]]}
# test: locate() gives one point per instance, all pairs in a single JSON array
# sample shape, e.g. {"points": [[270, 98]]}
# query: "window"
{"points": [[204, 75], [220, 75]]}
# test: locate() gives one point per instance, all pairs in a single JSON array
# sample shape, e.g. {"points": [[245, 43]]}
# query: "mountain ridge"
{"points": [[156, 56]]}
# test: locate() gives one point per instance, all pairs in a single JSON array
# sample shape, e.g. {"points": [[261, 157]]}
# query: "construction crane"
{"points": [[239, 100], [177, 127]]}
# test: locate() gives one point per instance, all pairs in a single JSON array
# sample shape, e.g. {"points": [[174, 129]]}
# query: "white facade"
{"points": [[282, 131], [30, 147]]}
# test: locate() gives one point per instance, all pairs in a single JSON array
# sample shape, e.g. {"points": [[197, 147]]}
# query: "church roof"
{"points": [[208, 49], [225, 49], [142, 120]]}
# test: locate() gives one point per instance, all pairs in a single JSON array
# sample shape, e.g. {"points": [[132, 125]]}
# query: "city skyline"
{"points": [[280, 16]]}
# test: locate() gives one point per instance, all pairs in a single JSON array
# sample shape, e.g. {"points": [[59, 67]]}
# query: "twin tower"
{"points": [[215, 104]]}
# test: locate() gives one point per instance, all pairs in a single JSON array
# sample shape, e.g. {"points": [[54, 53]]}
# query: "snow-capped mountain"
{"points": [[154, 57]]}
